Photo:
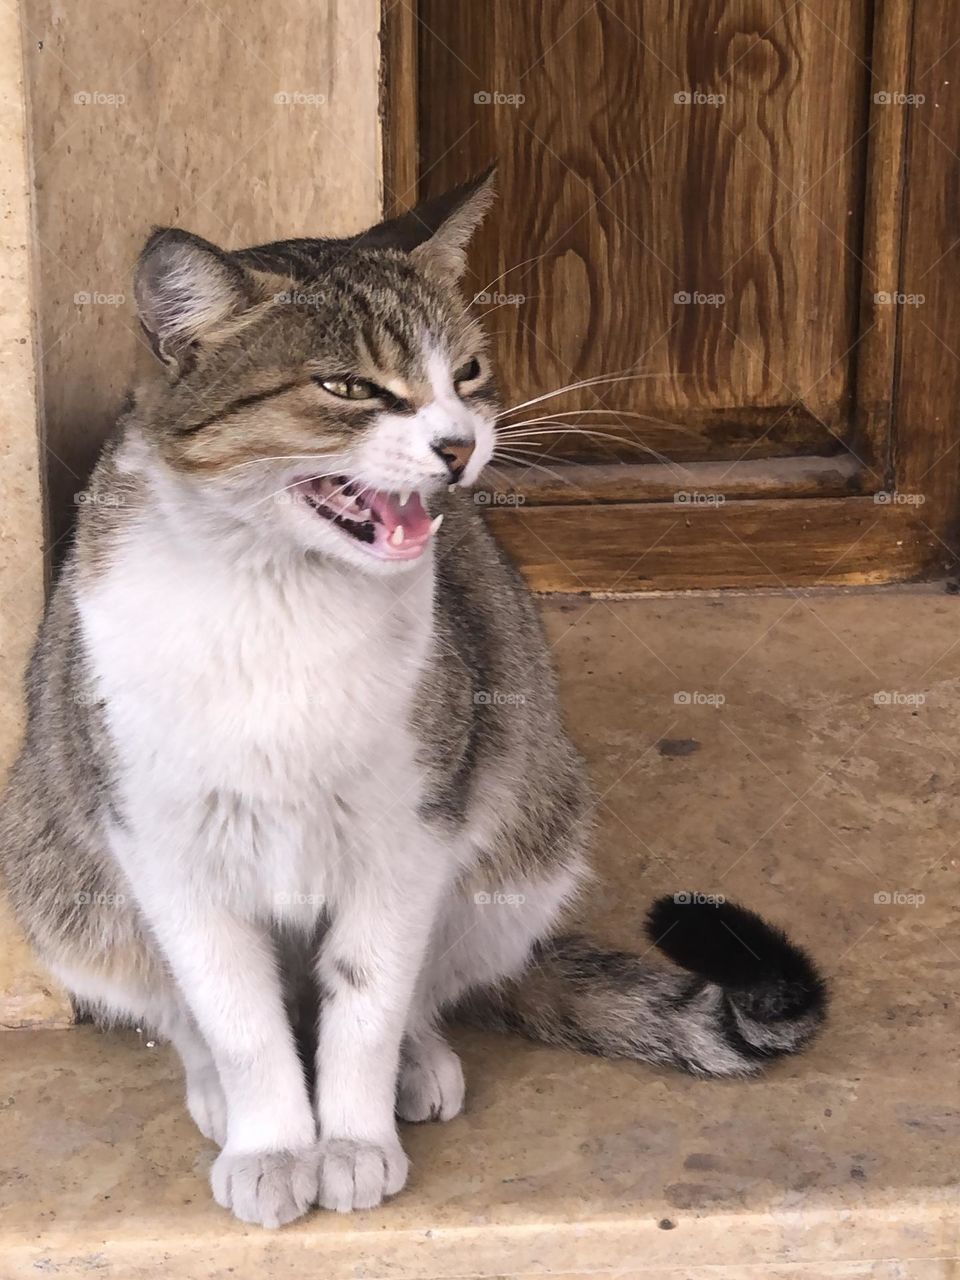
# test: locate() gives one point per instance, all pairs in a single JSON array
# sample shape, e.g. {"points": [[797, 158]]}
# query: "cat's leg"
{"points": [[484, 935], [226, 967], [368, 967], [159, 1007]]}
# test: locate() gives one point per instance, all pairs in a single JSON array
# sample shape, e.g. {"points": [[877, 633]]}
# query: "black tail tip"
{"points": [[736, 949]]}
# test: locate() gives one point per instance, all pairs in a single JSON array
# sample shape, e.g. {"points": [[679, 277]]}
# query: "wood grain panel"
{"points": [[927, 402], [793, 543], [632, 197], [146, 114], [398, 106]]}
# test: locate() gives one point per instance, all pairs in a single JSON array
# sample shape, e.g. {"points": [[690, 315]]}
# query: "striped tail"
{"points": [[742, 995]]}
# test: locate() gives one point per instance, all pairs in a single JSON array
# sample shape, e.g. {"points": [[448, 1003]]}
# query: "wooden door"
{"points": [[727, 206]]}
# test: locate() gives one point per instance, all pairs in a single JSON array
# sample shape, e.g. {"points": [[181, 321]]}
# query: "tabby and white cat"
{"points": [[264, 739]]}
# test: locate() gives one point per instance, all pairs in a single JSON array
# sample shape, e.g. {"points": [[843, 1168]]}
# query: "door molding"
{"points": [[886, 506]]}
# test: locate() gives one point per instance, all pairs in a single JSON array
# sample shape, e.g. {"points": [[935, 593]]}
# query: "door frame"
{"points": [[887, 512]]}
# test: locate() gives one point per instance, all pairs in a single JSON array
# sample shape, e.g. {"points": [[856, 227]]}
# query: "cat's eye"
{"points": [[467, 372], [352, 388]]}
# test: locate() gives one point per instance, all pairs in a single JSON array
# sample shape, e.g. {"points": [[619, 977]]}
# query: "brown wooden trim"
{"points": [[927, 398], [883, 216], [684, 485], [398, 105], [767, 543]]}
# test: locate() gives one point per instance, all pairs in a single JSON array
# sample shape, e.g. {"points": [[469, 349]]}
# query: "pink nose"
{"points": [[456, 454]]}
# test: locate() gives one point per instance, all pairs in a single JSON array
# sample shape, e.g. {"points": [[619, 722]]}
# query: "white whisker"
{"points": [[577, 413], [496, 279], [576, 386]]}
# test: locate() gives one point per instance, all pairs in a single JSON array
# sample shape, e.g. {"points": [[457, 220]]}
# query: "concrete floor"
{"points": [[802, 795]]}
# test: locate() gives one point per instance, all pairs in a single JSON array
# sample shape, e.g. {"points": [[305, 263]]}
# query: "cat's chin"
{"points": [[380, 530], [336, 548]]}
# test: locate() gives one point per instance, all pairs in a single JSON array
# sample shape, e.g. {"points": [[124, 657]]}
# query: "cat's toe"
{"points": [[431, 1085], [268, 1188], [358, 1175]]}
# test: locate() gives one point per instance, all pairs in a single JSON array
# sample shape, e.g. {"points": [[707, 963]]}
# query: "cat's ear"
{"points": [[436, 233], [184, 287]]}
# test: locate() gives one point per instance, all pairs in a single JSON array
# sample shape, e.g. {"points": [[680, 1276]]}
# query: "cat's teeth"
{"points": [[397, 536], [451, 488], [364, 515], [436, 524], [404, 497]]}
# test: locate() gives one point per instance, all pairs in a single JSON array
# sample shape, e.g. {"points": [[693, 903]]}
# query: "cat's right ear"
{"points": [[184, 287]]}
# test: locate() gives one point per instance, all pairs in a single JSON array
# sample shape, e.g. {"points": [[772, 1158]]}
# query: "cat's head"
{"points": [[321, 392]]}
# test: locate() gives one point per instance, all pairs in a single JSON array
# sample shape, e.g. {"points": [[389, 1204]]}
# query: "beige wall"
{"points": [[148, 114], [242, 122]]}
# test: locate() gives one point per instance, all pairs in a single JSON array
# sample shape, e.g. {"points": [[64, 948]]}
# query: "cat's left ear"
{"points": [[436, 233]]}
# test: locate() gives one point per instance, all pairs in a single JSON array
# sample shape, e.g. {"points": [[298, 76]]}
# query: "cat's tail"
{"points": [[747, 995]]}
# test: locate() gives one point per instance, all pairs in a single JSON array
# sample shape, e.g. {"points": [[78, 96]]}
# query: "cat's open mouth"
{"points": [[391, 526]]}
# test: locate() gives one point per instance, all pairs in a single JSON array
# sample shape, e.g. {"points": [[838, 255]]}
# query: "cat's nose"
{"points": [[456, 454]]}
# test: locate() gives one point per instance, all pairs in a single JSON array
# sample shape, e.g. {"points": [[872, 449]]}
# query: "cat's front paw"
{"points": [[267, 1188], [358, 1175]]}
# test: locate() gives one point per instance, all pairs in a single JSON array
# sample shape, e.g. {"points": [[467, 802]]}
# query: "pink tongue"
{"points": [[413, 517]]}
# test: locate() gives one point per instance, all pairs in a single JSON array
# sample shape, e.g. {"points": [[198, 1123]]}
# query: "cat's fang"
{"points": [[397, 536]]}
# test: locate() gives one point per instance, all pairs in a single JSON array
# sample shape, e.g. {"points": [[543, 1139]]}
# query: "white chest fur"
{"points": [[261, 713]]}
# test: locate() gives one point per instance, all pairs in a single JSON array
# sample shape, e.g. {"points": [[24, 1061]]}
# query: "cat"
{"points": [[291, 706]]}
